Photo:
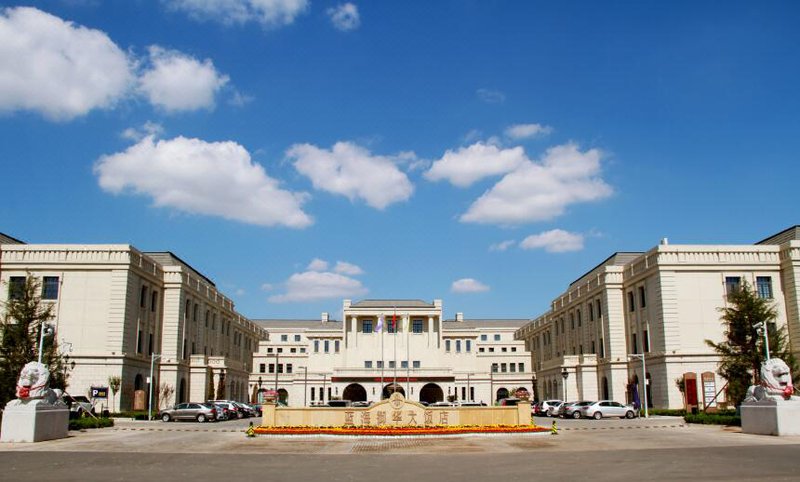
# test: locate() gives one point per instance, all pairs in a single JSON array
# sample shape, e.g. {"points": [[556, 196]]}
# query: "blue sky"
{"points": [[486, 153]]}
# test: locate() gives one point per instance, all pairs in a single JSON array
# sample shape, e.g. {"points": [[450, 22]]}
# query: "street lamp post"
{"points": [[762, 330], [45, 330], [565, 375], [259, 397], [644, 382], [534, 388], [153, 358]]}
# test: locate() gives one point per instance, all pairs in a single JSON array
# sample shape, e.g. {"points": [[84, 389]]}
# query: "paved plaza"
{"points": [[660, 448]]}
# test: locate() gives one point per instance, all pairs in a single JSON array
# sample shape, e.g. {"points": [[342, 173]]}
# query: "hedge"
{"points": [[136, 415], [727, 417], [667, 412], [90, 422]]}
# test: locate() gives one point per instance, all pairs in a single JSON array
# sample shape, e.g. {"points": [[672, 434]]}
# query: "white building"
{"points": [[427, 358], [661, 304], [117, 308]]}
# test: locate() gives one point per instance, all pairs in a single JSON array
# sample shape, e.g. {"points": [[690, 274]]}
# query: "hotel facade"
{"points": [[383, 346], [661, 306], [118, 310]]}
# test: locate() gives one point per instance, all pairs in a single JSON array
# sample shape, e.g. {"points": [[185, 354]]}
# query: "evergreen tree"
{"points": [[24, 316], [743, 350]]}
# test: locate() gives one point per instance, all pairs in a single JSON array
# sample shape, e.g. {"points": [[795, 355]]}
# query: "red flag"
{"points": [[394, 323]]}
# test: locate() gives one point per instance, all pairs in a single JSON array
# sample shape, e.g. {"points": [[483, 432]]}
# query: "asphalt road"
{"points": [[655, 449]]}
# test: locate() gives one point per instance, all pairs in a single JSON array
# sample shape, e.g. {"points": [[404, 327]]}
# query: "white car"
{"points": [[607, 408]]}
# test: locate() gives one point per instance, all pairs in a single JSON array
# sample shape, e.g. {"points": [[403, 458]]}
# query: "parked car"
{"points": [[202, 412], [256, 409], [442, 404], [245, 410], [509, 402], [339, 403], [562, 409], [472, 404], [607, 408], [222, 412], [362, 404], [545, 407], [573, 410], [78, 404], [232, 413]]}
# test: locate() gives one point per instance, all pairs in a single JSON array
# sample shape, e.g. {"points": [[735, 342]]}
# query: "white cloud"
{"points": [[238, 99], [269, 13], [147, 129], [344, 17], [350, 170], [199, 177], [316, 285], [468, 285], [542, 191], [502, 246], [56, 68], [176, 81], [491, 96], [554, 241], [468, 165], [317, 264], [267, 287], [344, 267], [527, 131]]}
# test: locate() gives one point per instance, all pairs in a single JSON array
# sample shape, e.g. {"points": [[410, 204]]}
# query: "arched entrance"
{"points": [[389, 389], [283, 396], [431, 393], [138, 382], [355, 393], [502, 392]]}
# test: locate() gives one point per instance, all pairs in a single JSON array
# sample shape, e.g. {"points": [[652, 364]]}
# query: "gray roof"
{"points": [[485, 323], [392, 304], [168, 258], [299, 324], [6, 239], [788, 234], [620, 258]]}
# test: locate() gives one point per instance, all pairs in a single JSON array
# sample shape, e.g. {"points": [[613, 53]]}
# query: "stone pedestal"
{"points": [[34, 421], [771, 417]]}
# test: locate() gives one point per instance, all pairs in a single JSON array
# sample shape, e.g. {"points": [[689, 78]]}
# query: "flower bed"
{"points": [[401, 431]]}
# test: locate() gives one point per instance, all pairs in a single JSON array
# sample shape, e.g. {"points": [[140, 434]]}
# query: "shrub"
{"points": [[667, 412], [727, 417], [137, 415], [89, 422]]}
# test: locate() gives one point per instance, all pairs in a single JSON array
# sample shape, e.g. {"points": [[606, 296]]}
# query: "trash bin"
{"points": [[105, 413]]}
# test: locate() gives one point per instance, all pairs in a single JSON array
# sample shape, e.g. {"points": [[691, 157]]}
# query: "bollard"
{"points": [[251, 432], [554, 430]]}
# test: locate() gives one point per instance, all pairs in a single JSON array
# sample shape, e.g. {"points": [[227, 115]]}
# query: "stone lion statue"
{"points": [[776, 383], [33, 384]]}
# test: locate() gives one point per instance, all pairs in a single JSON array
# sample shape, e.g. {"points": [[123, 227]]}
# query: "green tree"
{"points": [[743, 350], [24, 316]]}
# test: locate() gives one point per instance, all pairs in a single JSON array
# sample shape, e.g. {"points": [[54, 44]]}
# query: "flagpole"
{"points": [[394, 330], [408, 355], [382, 360]]}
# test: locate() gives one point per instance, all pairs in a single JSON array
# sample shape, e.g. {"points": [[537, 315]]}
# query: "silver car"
{"points": [[189, 411], [573, 410], [607, 408]]}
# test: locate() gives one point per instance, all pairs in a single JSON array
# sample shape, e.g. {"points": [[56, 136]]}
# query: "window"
{"points": [[593, 350], [139, 342], [504, 349], [458, 346], [416, 364], [302, 349], [390, 326], [591, 312], [491, 349], [631, 305], [316, 346], [269, 350], [463, 393], [732, 283], [642, 297], [271, 368], [503, 367], [293, 350], [404, 364], [496, 337], [154, 301], [262, 368], [580, 349], [763, 286], [447, 345], [142, 296], [280, 367], [313, 394], [379, 364], [634, 345], [602, 349], [484, 337], [194, 316], [579, 317], [327, 344], [513, 367], [368, 364], [513, 348], [288, 368], [571, 321], [284, 337], [646, 341], [336, 346], [468, 345], [599, 310], [416, 326], [296, 337], [481, 349], [521, 367], [280, 350], [150, 344], [50, 288], [366, 327], [391, 364], [494, 367]]}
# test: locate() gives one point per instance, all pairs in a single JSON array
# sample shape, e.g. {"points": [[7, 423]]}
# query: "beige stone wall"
{"points": [[395, 411]]}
